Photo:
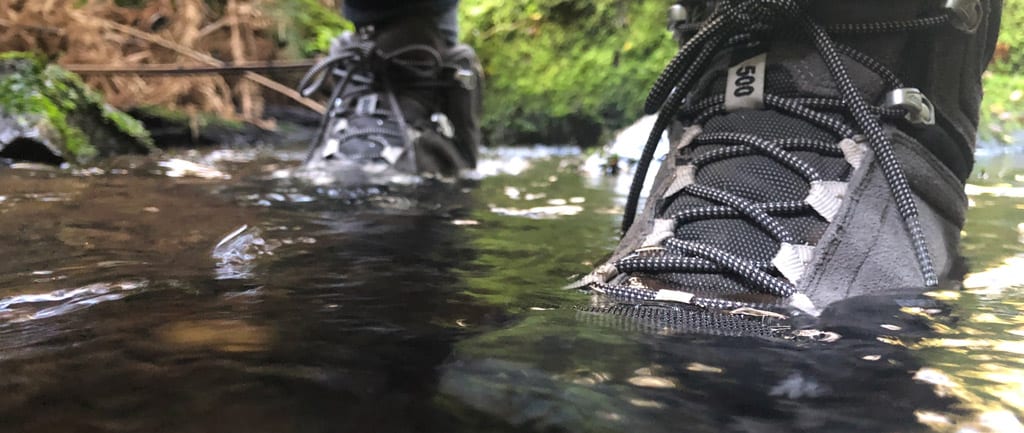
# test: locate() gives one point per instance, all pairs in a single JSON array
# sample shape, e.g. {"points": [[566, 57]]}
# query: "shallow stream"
{"points": [[212, 292]]}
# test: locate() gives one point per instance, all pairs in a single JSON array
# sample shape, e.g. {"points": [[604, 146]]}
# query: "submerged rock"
{"points": [[48, 114]]}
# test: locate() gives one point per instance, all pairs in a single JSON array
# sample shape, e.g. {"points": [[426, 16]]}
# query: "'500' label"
{"points": [[745, 88]]}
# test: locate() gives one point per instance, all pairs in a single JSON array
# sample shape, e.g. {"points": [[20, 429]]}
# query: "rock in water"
{"points": [[47, 114], [629, 142]]}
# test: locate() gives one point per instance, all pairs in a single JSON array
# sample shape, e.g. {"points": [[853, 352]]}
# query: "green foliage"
{"points": [[1002, 110], [553, 65], [565, 58], [61, 83], [29, 86], [126, 124], [315, 24], [22, 91], [550, 64], [1010, 58]]}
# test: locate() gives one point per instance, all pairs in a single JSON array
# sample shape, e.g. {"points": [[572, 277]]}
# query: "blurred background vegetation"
{"points": [[566, 71], [1002, 111], [558, 71], [573, 71]]}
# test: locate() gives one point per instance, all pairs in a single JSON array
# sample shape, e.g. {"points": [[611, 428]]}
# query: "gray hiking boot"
{"points": [[403, 103], [819, 150]]}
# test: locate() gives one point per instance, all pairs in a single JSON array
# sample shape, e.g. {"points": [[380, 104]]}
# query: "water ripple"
{"points": [[32, 306]]}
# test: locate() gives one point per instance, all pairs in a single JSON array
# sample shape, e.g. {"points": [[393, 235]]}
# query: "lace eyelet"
{"points": [[466, 78], [677, 14], [966, 14], [919, 109], [340, 126], [443, 125]]}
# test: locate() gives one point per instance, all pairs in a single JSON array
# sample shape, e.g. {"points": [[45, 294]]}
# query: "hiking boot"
{"points": [[819, 151], [402, 103]]}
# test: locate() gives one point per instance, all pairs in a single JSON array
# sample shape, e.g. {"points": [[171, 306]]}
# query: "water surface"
{"points": [[213, 292]]}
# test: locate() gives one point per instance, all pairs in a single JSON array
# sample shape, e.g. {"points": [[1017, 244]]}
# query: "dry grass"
{"points": [[183, 32]]}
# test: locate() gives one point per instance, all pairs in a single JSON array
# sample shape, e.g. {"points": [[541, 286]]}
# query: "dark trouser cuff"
{"points": [[363, 13]]}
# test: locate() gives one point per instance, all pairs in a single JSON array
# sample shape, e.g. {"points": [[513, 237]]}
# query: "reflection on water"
{"points": [[976, 354], [213, 291]]}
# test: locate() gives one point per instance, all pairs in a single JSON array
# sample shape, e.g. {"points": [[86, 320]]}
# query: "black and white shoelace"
{"points": [[359, 62], [740, 22]]}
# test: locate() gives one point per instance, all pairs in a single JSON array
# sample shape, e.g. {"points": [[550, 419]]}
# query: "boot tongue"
{"points": [[794, 69], [794, 66]]}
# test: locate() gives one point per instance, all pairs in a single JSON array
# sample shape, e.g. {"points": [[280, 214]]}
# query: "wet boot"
{"points": [[819, 152], [395, 106]]}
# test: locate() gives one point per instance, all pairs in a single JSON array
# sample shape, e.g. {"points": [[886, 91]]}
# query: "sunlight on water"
{"points": [[33, 306], [236, 253], [183, 168], [217, 281], [978, 358], [1004, 276]]}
